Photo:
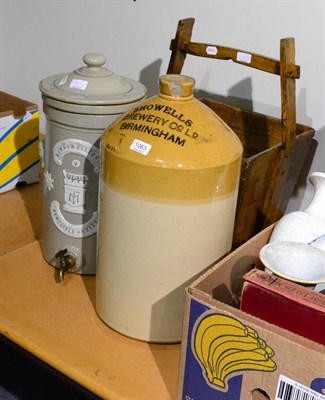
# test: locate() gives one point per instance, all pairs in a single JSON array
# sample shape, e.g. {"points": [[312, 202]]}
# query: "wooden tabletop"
{"points": [[57, 322]]}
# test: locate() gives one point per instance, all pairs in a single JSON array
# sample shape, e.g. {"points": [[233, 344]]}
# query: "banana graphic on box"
{"points": [[224, 345]]}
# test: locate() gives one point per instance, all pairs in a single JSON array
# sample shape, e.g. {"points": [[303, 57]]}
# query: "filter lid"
{"points": [[92, 85]]}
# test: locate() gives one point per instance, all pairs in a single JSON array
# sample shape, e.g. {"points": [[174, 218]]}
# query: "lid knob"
{"points": [[94, 60]]}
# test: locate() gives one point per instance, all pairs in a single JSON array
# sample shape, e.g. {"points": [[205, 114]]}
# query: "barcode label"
{"points": [[289, 389]]}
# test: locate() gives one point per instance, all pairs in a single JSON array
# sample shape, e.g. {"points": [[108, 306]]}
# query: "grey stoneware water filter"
{"points": [[78, 107]]}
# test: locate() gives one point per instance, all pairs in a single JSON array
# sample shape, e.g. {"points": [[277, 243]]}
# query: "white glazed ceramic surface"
{"points": [[296, 249], [298, 226], [298, 262]]}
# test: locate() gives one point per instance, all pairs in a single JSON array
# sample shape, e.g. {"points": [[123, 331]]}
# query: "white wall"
{"points": [[43, 38]]}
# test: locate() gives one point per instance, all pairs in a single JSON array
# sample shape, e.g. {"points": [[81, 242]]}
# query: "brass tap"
{"points": [[67, 262]]}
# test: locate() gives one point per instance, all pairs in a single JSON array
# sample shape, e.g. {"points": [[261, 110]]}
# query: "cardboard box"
{"points": [[19, 142], [228, 354]]}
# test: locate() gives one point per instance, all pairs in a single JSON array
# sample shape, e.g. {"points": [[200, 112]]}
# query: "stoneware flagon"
{"points": [[168, 192]]}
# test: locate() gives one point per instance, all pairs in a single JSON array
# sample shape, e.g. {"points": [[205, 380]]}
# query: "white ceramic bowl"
{"points": [[296, 261]]}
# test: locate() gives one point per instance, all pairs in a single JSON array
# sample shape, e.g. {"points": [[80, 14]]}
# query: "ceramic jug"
{"points": [[296, 249], [168, 192]]}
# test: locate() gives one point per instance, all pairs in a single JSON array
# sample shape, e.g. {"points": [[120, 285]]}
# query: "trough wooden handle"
{"points": [[288, 92], [285, 68]]}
